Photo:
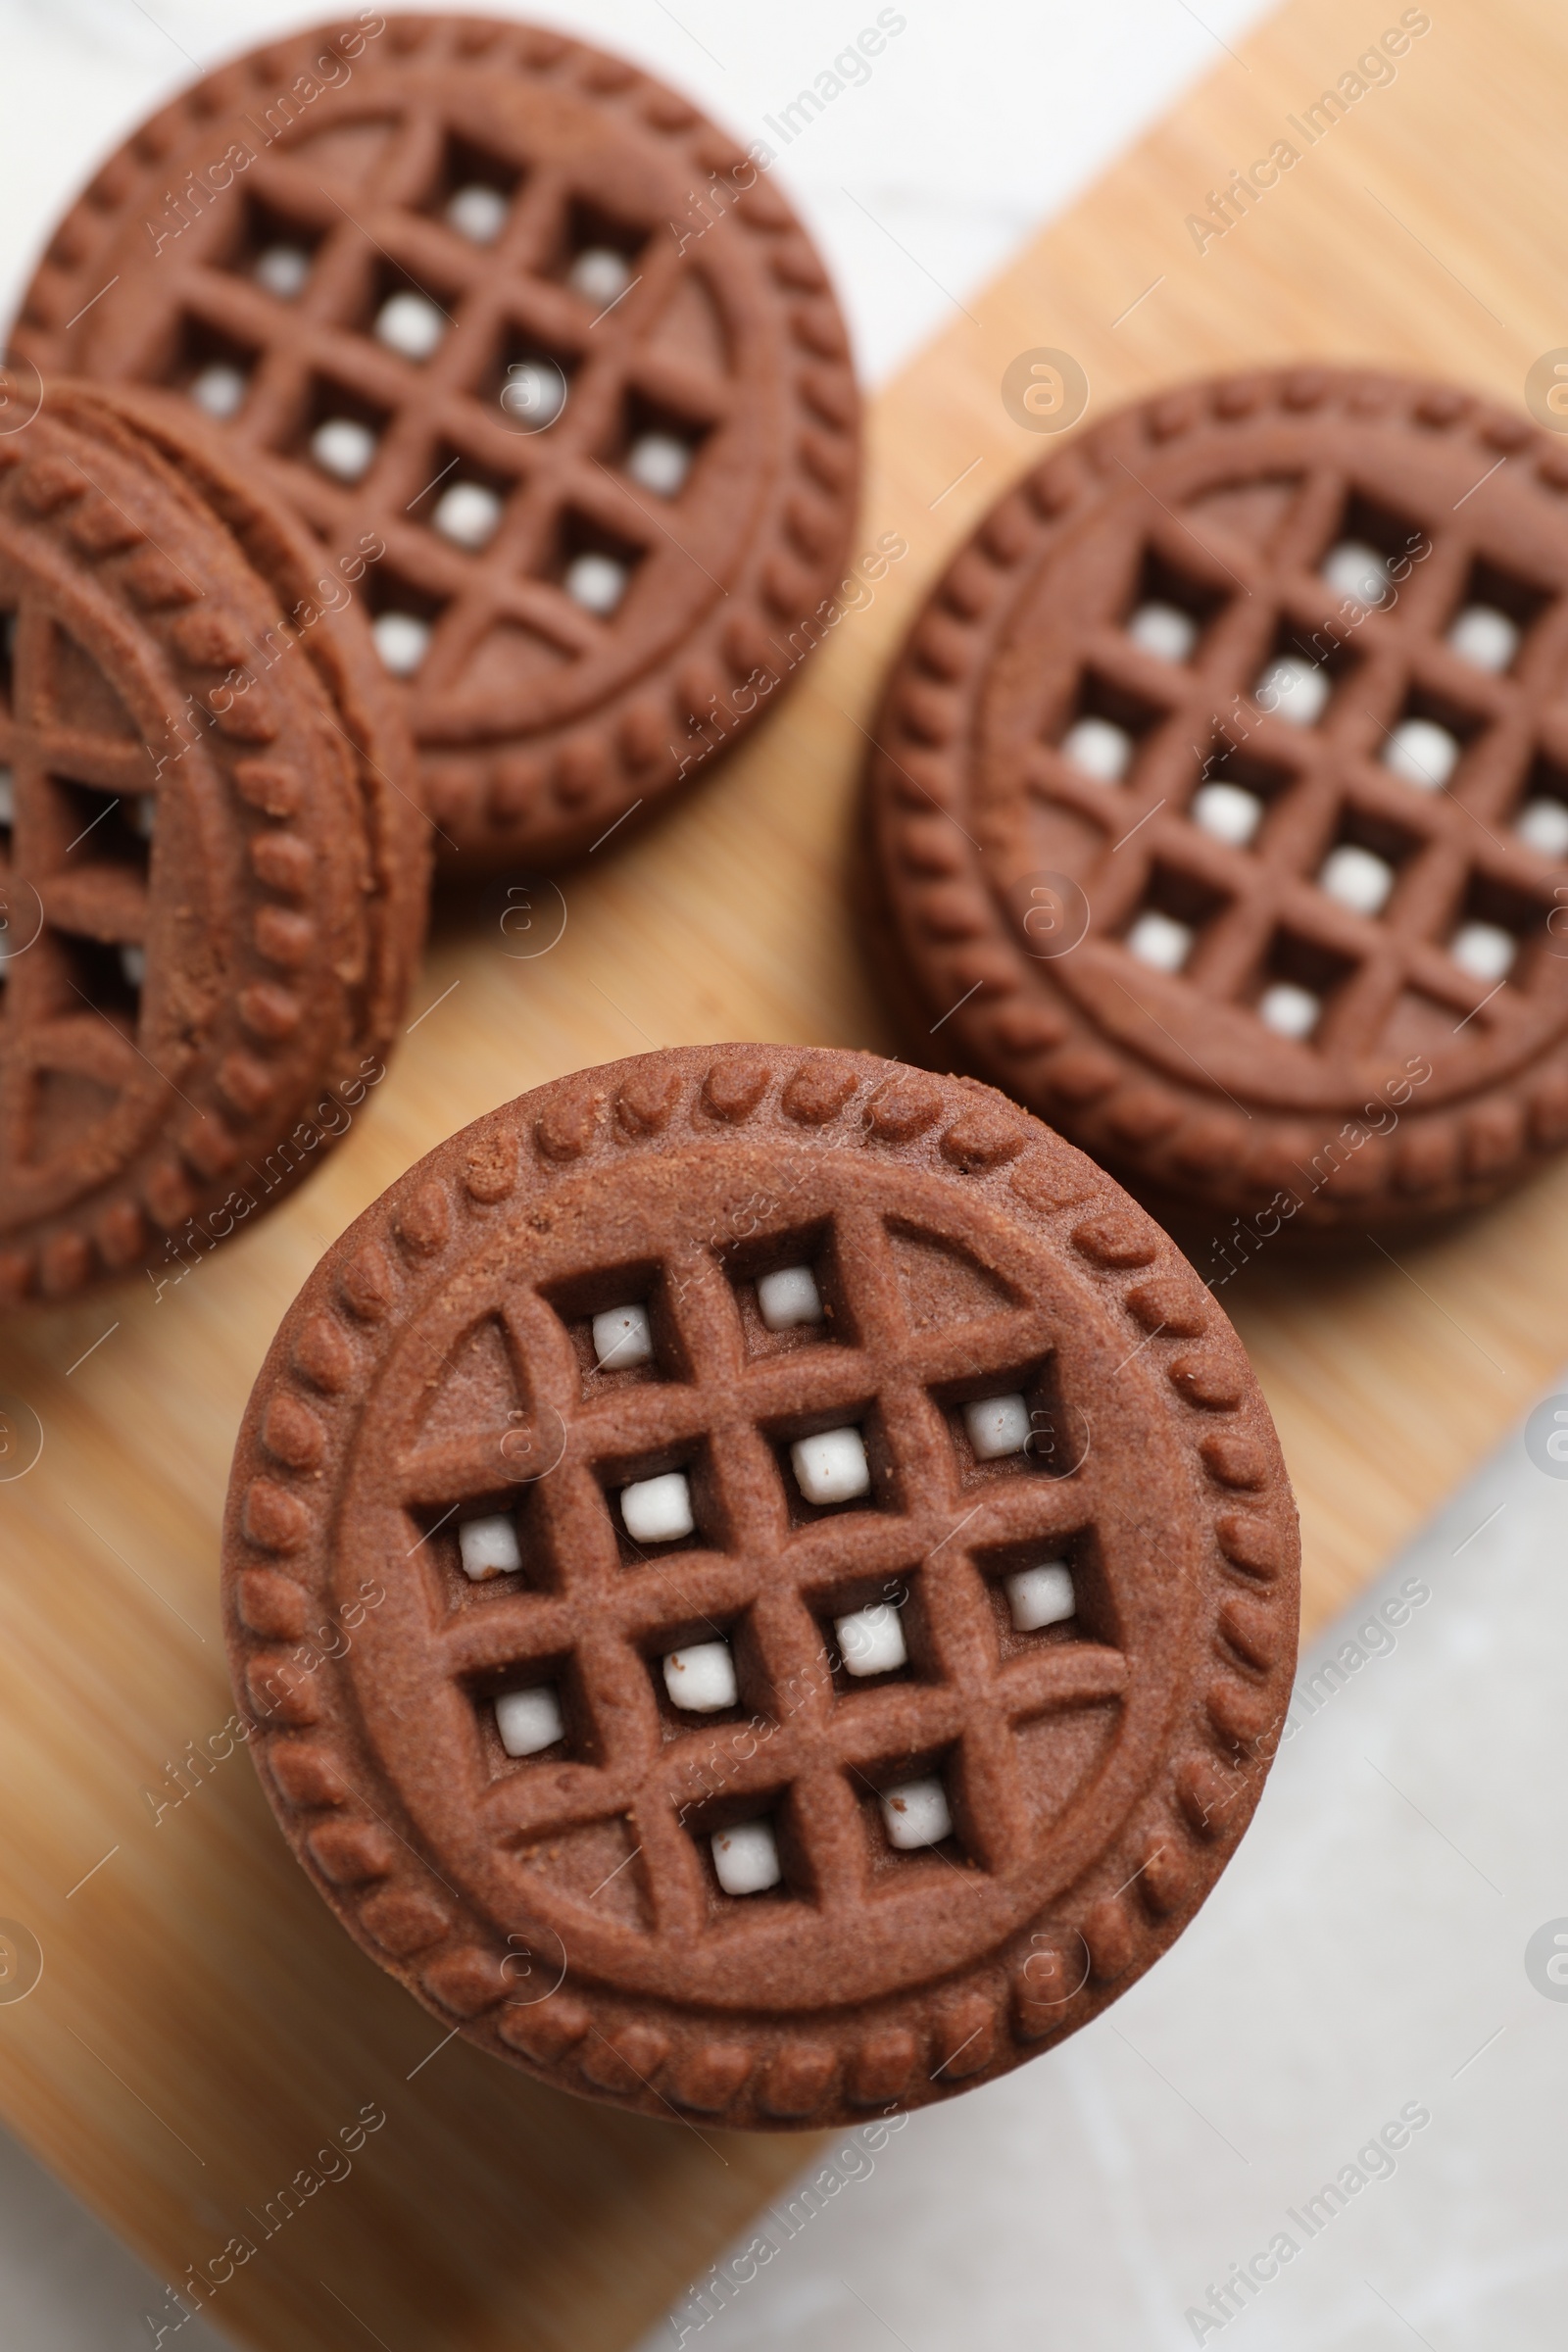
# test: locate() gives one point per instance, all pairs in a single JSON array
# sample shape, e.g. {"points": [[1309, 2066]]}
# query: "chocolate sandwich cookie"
{"points": [[763, 1586], [1220, 809], [517, 316], [211, 865]]}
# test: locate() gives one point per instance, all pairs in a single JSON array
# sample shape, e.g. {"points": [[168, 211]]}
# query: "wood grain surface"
{"points": [[202, 2029]]}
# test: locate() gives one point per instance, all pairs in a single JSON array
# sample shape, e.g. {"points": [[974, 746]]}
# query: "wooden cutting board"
{"points": [[202, 2029]]}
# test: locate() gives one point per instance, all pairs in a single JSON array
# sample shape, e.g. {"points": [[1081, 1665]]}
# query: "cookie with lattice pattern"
{"points": [[1219, 809], [763, 1586], [212, 864], [518, 314]]}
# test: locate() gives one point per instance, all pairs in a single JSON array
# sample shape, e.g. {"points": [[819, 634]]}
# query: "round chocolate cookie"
{"points": [[763, 1586], [519, 321], [1220, 804], [211, 871]]}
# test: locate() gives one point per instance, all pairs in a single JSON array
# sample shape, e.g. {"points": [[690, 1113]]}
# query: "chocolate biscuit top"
{"points": [[764, 1584], [515, 314], [1225, 777]]}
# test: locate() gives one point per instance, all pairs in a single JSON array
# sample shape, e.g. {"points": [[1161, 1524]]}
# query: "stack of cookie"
{"points": [[836, 1585], [214, 866]]}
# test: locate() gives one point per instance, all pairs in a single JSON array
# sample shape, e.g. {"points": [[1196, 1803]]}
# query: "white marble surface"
{"points": [[66, 2285], [1364, 1955]]}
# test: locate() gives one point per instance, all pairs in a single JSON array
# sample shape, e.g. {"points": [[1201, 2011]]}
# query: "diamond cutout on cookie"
{"points": [[997, 1426], [1486, 638], [601, 275], [1357, 572], [1040, 1595], [1422, 752], [700, 1679], [1288, 1010], [411, 325], [344, 447], [1228, 812], [872, 1639], [1161, 941], [1302, 975], [1485, 951], [597, 582], [534, 392], [529, 1721], [283, 272], [1542, 825], [1356, 878], [1163, 631], [489, 1546], [788, 1299], [477, 212], [1496, 613], [403, 641], [1540, 819], [746, 1857], [220, 390], [917, 1814], [1100, 748], [832, 1467], [468, 515], [660, 463], [1297, 689], [622, 1337], [658, 1510]]}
